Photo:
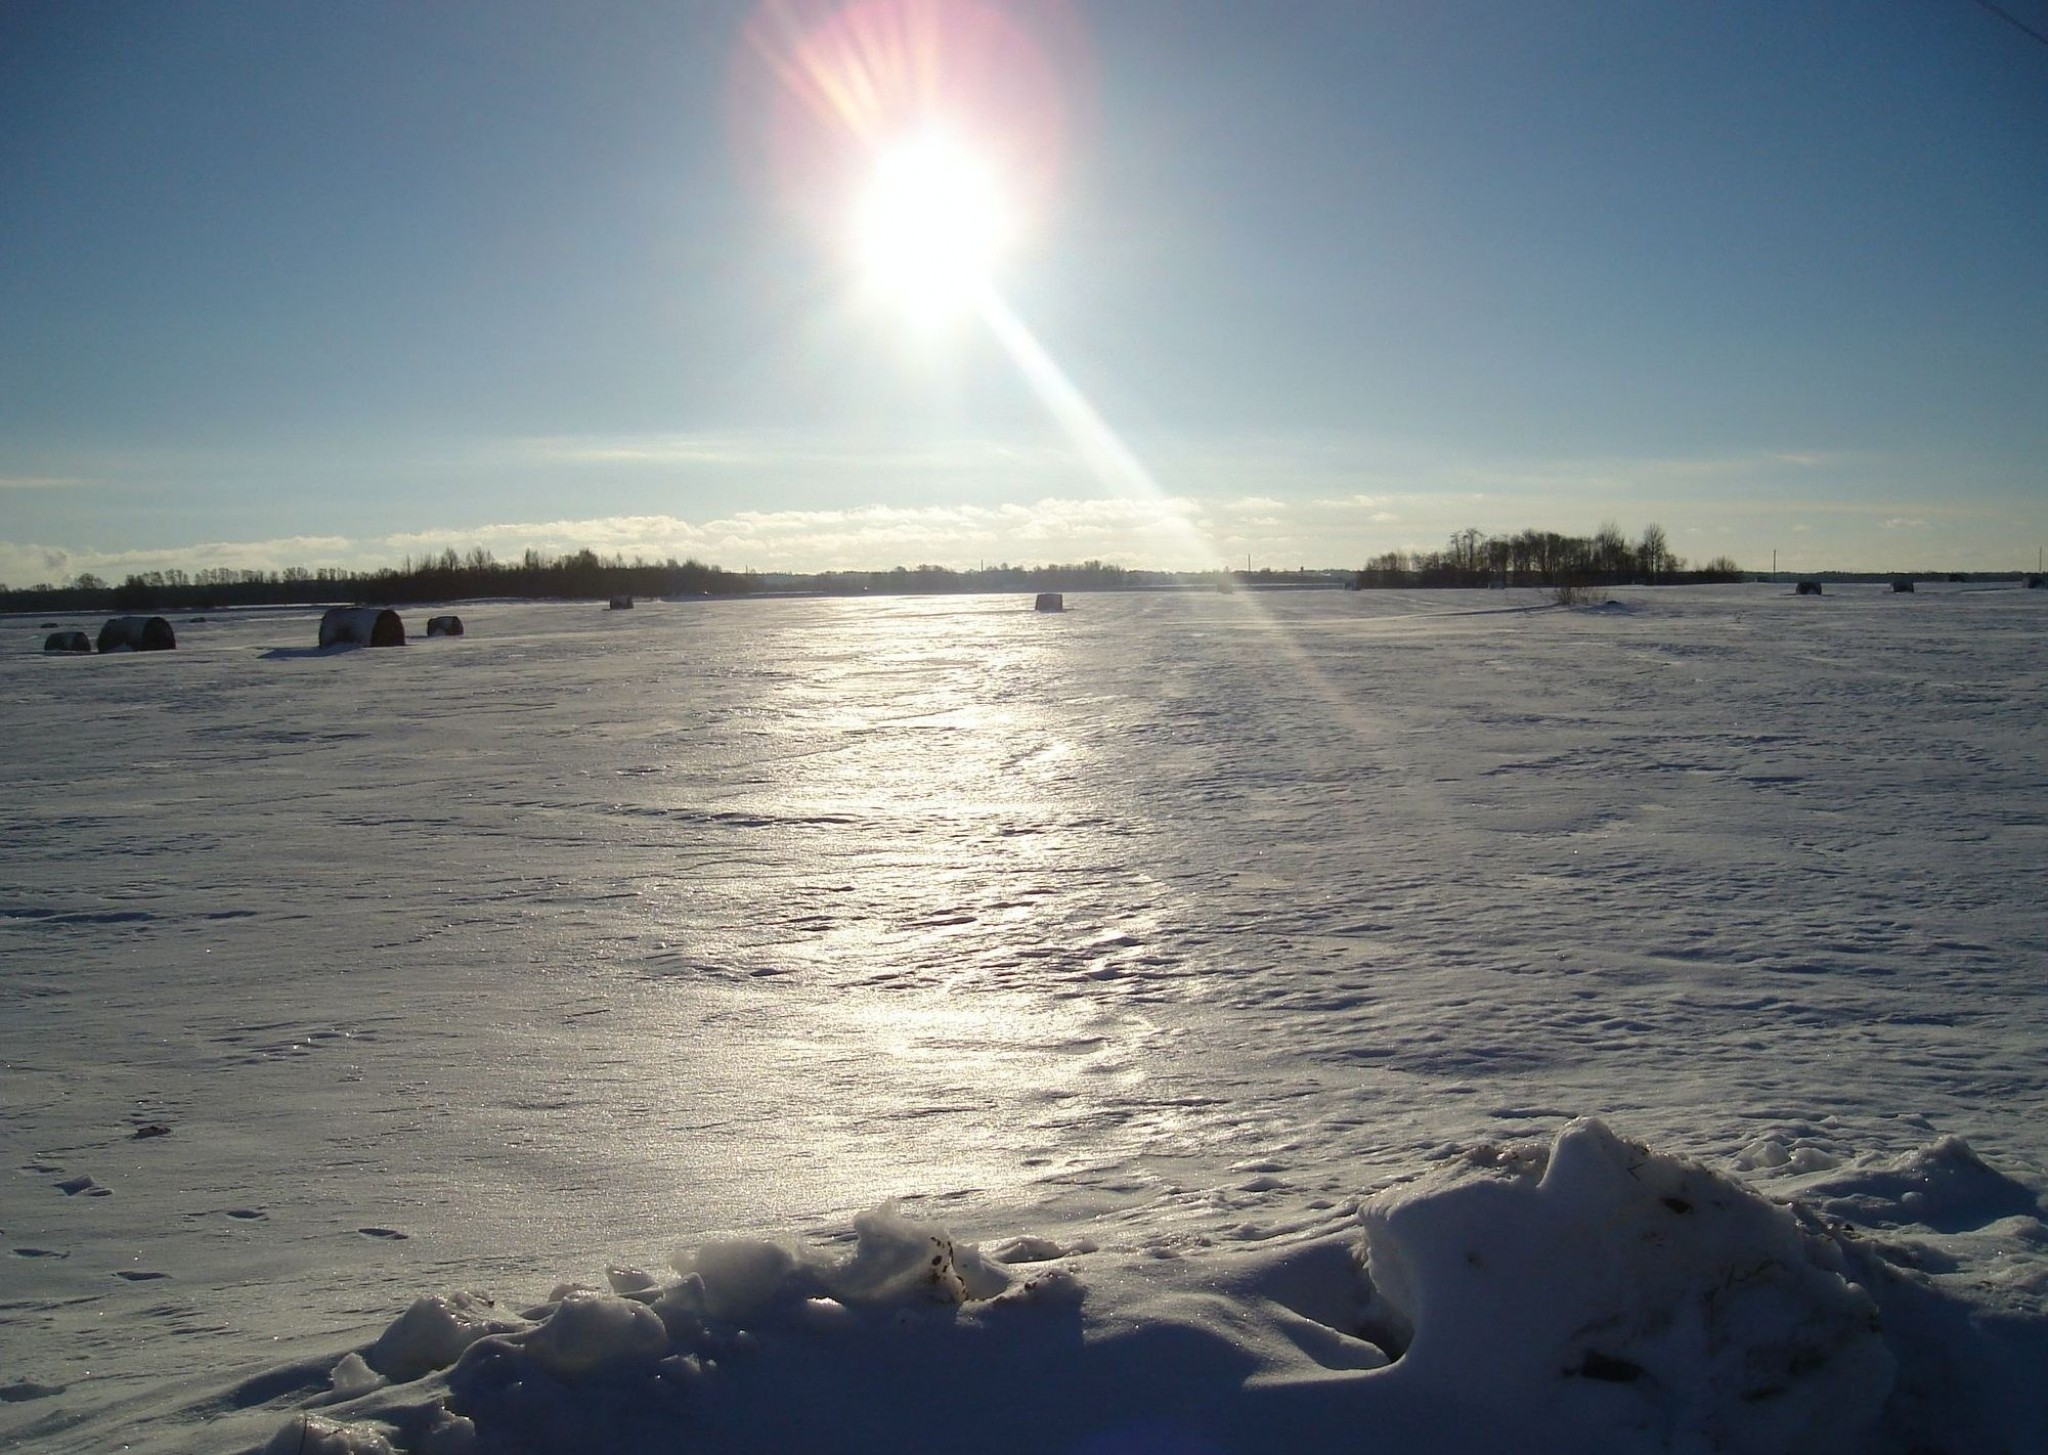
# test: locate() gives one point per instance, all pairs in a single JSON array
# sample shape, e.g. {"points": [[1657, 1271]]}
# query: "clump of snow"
{"points": [[312, 1435], [432, 1335], [1775, 1154], [353, 1376], [734, 1278], [594, 1331], [893, 1259]]}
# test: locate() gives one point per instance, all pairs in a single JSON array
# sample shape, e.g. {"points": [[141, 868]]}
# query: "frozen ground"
{"points": [[1216, 978]]}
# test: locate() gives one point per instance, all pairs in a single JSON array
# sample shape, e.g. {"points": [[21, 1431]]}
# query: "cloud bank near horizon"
{"points": [[871, 537], [1285, 513]]}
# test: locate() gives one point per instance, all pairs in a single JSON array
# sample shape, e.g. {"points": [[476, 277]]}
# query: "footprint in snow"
{"points": [[383, 1233], [72, 1186], [138, 1275], [41, 1253]]}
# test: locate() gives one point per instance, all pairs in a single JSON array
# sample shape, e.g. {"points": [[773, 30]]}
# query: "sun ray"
{"points": [[929, 130]]}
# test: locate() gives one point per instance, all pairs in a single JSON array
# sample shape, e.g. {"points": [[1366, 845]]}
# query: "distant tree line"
{"points": [[448, 576], [925, 580], [1544, 558]]}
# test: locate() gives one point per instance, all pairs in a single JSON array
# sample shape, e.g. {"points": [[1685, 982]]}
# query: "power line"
{"points": [[2013, 20]]}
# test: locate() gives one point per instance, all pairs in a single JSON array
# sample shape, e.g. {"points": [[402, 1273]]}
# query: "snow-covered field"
{"points": [[930, 1025]]}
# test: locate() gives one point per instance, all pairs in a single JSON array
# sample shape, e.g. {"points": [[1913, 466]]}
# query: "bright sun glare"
{"points": [[931, 226]]}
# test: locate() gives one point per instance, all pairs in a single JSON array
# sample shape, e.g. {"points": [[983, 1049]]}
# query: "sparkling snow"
{"points": [[1187, 1023]]}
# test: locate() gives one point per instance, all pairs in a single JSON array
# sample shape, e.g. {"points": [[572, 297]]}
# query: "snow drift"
{"points": [[1591, 1295]]}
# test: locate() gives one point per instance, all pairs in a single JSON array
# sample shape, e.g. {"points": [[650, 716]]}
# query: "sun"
{"points": [[931, 226]]}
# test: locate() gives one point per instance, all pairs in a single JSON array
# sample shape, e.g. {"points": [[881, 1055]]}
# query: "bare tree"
{"points": [[1612, 557], [1653, 554]]}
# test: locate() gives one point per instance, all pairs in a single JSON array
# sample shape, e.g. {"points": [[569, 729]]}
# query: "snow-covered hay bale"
{"points": [[622, 603], [1902, 585], [72, 641], [1050, 601], [1807, 588], [137, 634], [361, 626], [444, 626]]}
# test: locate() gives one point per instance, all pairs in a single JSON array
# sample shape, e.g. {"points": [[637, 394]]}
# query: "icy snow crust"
{"points": [[1185, 1023]]}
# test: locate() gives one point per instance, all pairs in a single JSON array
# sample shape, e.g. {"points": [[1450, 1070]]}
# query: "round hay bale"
{"points": [[2033, 582], [622, 603], [1807, 588], [1050, 601], [361, 626], [71, 641], [444, 626], [1902, 585], [137, 634]]}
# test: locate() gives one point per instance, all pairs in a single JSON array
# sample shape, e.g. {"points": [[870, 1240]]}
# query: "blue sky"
{"points": [[301, 283]]}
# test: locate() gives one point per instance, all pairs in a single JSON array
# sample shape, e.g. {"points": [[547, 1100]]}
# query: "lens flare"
{"points": [[825, 93]]}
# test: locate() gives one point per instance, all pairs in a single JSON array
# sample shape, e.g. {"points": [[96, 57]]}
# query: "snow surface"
{"points": [[1187, 1023]]}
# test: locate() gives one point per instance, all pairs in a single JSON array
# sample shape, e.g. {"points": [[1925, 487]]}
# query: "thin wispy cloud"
{"points": [[29, 564], [856, 538], [781, 451]]}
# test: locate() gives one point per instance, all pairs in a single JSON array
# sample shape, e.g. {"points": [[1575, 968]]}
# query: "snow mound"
{"points": [[1945, 1187], [1627, 1290], [1592, 1295]]}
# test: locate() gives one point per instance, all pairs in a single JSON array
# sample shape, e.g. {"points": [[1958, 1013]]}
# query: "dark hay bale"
{"points": [[1050, 601], [622, 603], [2033, 583], [137, 634], [444, 626], [1957, 576], [71, 641], [361, 626], [1902, 585], [1807, 588]]}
